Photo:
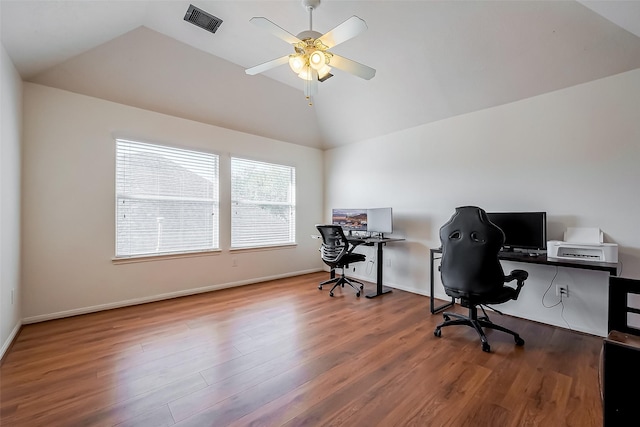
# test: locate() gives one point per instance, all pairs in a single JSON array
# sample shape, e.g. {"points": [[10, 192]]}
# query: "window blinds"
{"points": [[263, 203], [166, 200]]}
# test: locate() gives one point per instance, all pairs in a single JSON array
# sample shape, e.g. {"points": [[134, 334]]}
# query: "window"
{"points": [[166, 200], [263, 203]]}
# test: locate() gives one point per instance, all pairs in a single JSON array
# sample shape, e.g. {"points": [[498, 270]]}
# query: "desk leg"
{"points": [[380, 290], [432, 306]]}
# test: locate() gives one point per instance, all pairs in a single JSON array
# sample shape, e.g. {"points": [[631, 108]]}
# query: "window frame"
{"points": [[214, 200], [291, 204]]}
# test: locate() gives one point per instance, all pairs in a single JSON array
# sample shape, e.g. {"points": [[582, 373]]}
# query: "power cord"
{"points": [[562, 314], [559, 303], [545, 293], [369, 267]]}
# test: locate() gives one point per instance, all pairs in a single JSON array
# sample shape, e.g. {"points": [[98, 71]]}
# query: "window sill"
{"points": [[264, 248], [162, 257]]}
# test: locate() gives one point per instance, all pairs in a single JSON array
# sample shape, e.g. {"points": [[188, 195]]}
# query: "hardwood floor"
{"points": [[285, 353]]}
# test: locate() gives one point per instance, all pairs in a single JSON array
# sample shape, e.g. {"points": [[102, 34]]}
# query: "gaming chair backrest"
{"points": [[470, 246]]}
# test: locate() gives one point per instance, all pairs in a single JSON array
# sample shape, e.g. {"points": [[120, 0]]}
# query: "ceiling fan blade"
{"points": [[343, 32], [267, 66], [353, 67], [274, 29]]}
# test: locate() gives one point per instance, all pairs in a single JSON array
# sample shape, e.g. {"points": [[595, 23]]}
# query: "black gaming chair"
{"points": [[337, 252], [471, 271]]}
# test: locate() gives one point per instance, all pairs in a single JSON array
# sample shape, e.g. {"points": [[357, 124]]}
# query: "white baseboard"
{"points": [[408, 289], [390, 285], [144, 300], [10, 338]]}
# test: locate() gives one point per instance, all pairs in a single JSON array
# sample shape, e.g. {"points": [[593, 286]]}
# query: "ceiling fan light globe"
{"points": [[306, 74], [317, 60], [297, 63], [324, 71]]}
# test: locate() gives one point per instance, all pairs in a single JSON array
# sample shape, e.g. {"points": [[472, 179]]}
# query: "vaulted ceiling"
{"points": [[434, 59]]}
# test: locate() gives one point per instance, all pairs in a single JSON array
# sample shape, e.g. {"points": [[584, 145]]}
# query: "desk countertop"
{"points": [[610, 267], [374, 239]]}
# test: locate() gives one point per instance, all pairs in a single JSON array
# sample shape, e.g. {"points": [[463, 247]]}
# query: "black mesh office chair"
{"points": [[337, 252], [471, 271]]}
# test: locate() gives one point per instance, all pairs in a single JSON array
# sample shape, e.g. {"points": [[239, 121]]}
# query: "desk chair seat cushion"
{"points": [[352, 257], [497, 296]]}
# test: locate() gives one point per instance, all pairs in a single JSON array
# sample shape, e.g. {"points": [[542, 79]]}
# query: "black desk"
{"points": [[379, 242], [610, 267]]}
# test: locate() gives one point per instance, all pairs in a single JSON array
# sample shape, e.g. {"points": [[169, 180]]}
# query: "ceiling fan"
{"points": [[312, 60]]}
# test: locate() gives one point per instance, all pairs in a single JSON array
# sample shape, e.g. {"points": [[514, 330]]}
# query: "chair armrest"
{"points": [[353, 245], [519, 276]]}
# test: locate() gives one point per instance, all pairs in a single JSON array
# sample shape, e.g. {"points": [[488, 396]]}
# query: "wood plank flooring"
{"points": [[284, 353]]}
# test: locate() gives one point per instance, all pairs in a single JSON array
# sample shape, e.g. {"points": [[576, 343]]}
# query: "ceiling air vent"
{"points": [[202, 19]]}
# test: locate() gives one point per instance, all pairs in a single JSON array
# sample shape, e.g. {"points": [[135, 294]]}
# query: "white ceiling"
{"points": [[434, 59]]}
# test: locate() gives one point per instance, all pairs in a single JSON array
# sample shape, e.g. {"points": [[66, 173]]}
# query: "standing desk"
{"points": [[610, 267], [379, 242]]}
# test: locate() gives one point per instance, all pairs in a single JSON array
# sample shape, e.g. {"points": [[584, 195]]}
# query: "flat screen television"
{"points": [[350, 219], [522, 230], [380, 220]]}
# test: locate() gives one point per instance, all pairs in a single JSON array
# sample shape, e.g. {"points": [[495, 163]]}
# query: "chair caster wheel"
{"points": [[486, 347], [330, 294], [358, 294], [446, 318], [361, 287], [437, 332], [320, 287], [519, 341]]}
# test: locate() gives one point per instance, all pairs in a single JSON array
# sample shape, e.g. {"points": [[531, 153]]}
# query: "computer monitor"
{"points": [[350, 219], [380, 220], [522, 230]]}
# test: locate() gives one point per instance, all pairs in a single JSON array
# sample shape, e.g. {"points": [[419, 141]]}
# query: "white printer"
{"points": [[583, 244]]}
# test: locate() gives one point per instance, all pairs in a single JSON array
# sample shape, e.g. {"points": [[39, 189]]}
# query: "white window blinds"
{"points": [[263, 203], [166, 200]]}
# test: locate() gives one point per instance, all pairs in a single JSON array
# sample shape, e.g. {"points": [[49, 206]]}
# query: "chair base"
{"points": [[340, 281], [476, 323]]}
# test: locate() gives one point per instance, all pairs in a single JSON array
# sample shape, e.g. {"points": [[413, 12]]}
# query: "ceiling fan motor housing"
{"points": [[309, 34]]}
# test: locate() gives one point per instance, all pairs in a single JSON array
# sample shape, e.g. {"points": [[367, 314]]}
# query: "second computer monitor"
{"points": [[380, 220]]}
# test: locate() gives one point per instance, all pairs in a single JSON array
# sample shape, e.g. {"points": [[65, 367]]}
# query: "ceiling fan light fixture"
{"points": [[306, 74], [324, 73], [297, 63], [317, 60]]}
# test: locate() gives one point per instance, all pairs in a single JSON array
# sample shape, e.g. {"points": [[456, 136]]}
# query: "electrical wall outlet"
{"points": [[562, 291]]}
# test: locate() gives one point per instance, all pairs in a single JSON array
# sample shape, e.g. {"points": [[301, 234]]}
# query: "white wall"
{"points": [[573, 153], [69, 207], [10, 123]]}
